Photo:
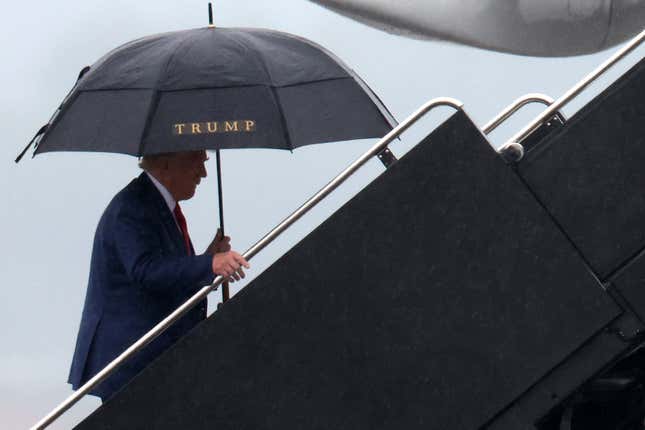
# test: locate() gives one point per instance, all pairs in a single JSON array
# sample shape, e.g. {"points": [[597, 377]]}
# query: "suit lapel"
{"points": [[165, 216]]}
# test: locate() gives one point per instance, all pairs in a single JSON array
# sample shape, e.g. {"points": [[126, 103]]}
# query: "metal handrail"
{"points": [[514, 107], [249, 254], [574, 91]]}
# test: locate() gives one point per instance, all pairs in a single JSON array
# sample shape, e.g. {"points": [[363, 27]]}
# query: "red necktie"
{"points": [[181, 220]]}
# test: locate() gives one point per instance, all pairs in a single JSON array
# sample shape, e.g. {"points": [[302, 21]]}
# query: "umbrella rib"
{"points": [[157, 94], [62, 108], [274, 94], [283, 119], [297, 84], [385, 112]]}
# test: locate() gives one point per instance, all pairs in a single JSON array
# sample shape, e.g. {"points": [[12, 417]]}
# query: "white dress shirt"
{"points": [[168, 198]]}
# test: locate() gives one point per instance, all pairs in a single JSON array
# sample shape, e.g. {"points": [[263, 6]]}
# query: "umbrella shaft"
{"points": [[225, 291], [219, 191]]}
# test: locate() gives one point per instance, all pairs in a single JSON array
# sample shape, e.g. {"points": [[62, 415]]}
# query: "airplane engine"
{"points": [[551, 28]]}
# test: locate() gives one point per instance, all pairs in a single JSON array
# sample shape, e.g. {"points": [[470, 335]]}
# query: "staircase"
{"points": [[456, 291]]}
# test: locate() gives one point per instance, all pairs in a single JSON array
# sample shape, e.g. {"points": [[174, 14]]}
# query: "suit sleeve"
{"points": [[146, 263]]}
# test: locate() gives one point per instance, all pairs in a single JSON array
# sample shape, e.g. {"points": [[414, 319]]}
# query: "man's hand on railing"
{"points": [[230, 265]]}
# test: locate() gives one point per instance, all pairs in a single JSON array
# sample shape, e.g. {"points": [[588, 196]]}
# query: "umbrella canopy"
{"points": [[215, 88]]}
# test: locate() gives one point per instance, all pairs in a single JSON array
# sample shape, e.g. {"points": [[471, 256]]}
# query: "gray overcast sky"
{"points": [[52, 203]]}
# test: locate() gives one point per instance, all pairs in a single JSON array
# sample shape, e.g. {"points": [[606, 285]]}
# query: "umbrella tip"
{"points": [[210, 15]]}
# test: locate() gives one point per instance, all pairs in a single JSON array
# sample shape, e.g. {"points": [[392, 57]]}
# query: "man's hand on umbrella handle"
{"points": [[229, 264], [219, 244]]}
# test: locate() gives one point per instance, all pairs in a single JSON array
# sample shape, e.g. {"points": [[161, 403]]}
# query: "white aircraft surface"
{"points": [[527, 27]]}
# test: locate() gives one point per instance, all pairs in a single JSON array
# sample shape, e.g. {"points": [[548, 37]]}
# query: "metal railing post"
{"points": [[514, 107], [575, 90]]}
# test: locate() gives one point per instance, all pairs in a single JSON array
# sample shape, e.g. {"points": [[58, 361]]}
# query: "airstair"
{"points": [[464, 288]]}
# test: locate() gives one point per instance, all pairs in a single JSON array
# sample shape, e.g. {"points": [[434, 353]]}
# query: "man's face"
{"points": [[185, 171]]}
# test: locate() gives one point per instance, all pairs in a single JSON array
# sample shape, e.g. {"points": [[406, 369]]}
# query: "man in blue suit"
{"points": [[143, 267]]}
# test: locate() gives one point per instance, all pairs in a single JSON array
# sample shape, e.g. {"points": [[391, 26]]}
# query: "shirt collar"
{"points": [[170, 201]]}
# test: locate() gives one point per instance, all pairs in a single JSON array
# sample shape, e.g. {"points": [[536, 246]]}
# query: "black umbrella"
{"points": [[213, 88]]}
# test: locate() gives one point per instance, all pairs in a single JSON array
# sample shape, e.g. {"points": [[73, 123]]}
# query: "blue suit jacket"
{"points": [[140, 272]]}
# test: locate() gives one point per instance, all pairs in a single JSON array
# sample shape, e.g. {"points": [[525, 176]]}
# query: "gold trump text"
{"points": [[212, 127]]}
